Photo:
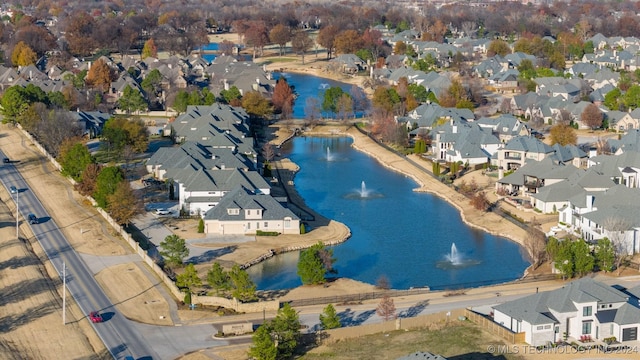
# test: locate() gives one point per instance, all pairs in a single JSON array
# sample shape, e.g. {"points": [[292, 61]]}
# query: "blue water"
{"points": [[396, 232], [306, 86], [211, 47]]}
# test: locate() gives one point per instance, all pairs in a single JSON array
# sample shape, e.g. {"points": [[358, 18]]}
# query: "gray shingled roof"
{"points": [[243, 199]]}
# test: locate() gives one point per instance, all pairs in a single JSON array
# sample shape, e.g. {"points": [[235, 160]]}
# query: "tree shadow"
{"points": [[415, 310], [210, 255], [25, 290], [17, 262], [12, 322], [348, 317], [477, 356], [272, 294]]}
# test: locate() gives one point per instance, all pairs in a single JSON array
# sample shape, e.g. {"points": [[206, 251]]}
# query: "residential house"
{"points": [[629, 142], [91, 122], [620, 120], [348, 63], [533, 175], [426, 116], [460, 141], [505, 127], [518, 150], [243, 212], [583, 310]]}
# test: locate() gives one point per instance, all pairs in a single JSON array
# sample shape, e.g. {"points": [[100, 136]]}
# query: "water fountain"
{"points": [[454, 257], [363, 190], [329, 155], [324, 86]]}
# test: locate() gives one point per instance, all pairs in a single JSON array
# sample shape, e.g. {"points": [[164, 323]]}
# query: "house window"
{"points": [[266, 224], [257, 225], [233, 211], [586, 311], [248, 212], [248, 226], [540, 327], [586, 327], [547, 327]]}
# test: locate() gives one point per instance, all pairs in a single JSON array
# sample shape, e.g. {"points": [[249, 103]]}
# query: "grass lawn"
{"points": [[458, 341]]}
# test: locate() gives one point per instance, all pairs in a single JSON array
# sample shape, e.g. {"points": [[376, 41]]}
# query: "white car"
{"points": [[163, 212]]}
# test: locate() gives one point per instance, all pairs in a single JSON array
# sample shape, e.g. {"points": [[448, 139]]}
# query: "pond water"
{"points": [[406, 236]]}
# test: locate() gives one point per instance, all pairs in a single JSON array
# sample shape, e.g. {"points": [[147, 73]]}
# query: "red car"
{"points": [[95, 317]]}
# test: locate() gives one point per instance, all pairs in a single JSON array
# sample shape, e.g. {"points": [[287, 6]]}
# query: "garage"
{"points": [[630, 334], [233, 229]]}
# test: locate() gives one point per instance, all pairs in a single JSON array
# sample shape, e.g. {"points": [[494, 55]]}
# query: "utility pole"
{"points": [[17, 214], [64, 294]]}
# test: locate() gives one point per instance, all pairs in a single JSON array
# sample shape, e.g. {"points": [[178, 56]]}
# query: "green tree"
{"points": [[330, 99], [201, 226], [17, 99], [106, 184], [181, 101], [218, 279], [229, 95], [188, 279], [75, 160], [612, 99], [605, 255], [498, 47], [315, 262], [286, 330], [174, 250], [244, 289], [152, 83], [264, 346], [131, 100], [582, 258], [419, 92], [56, 99], [329, 318], [631, 98], [564, 259], [119, 132]]}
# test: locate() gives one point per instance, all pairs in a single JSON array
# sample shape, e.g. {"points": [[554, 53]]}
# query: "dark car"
{"points": [[95, 317], [6, 160], [13, 189], [32, 219]]}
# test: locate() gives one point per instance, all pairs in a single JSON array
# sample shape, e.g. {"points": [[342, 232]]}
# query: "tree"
{"points": [[106, 184], [218, 279], [23, 55], [605, 255], [386, 309], [344, 107], [312, 109], [149, 49], [563, 134], [100, 75], [264, 347], [119, 132], [226, 47], [582, 258], [613, 99], [329, 318], [631, 98], [268, 153], [131, 100], [498, 47], [201, 226], [534, 245], [330, 99], [563, 259], [88, 179], [230, 95], [74, 158], [283, 98], [286, 330], [591, 116], [123, 205], [326, 38], [383, 283], [17, 100], [280, 35], [174, 250], [256, 105], [188, 279], [256, 36], [301, 43], [243, 287], [616, 228], [315, 262], [479, 201], [79, 34], [348, 42]]}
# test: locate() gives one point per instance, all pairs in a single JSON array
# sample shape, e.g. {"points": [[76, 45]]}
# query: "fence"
{"points": [[496, 329], [341, 299], [170, 285]]}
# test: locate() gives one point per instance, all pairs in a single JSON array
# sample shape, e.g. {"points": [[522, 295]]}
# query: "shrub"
{"points": [[267, 233], [303, 230], [201, 226]]}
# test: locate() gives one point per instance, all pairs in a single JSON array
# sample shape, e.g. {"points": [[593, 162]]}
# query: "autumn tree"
{"points": [[257, 36], [256, 105], [563, 134], [123, 205], [479, 201], [281, 35], [283, 98], [22, 55], [174, 250], [372, 41], [149, 49], [326, 38], [301, 43], [348, 42], [100, 75], [498, 47], [79, 34], [591, 116]]}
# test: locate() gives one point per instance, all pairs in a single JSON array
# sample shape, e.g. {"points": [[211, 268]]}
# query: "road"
{"points": [[119, 335]]}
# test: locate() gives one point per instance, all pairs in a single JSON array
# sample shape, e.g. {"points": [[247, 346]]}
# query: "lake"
{"points": [[396, 232]]}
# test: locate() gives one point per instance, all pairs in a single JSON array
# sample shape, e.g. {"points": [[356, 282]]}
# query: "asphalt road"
{"points": [[119, 335]]}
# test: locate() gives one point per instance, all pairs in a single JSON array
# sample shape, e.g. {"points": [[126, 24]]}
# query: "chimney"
{"points": [[255, 87], [226, 84], [500, 173], [258, 81]]}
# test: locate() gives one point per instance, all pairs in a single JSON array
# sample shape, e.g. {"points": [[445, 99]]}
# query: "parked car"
{"points": [[32, 219], [163, 212], [13, 189], [6, 160], [95, 317]]}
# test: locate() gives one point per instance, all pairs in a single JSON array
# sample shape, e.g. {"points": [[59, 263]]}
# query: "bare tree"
{"points": [[268, 152], [603, 147], [383, 283], [535, 243], [386, 308], [616, 229]]}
